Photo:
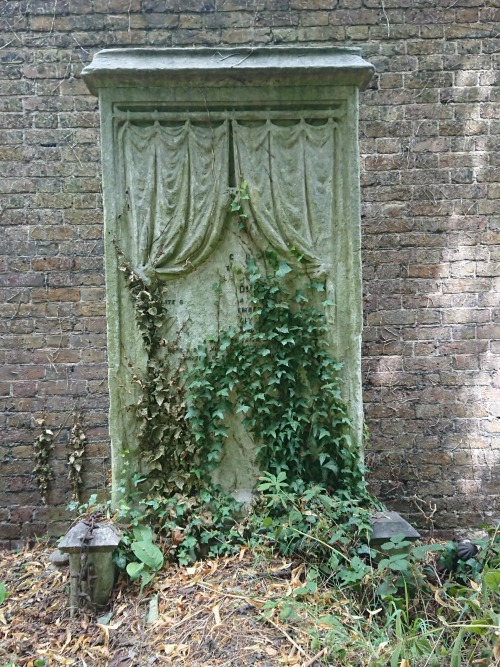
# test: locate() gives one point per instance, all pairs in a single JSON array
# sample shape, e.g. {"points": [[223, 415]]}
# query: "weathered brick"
{"points": [[70, 294]]}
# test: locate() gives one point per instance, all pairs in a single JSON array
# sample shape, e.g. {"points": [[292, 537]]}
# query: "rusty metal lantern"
{"points": [[90, 545]]}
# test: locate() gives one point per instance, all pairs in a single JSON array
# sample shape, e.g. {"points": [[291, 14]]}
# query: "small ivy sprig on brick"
{"points": [[76, 446], [42, 446]]}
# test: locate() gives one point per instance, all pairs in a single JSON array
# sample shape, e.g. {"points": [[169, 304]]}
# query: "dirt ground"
{"points": [[215, 614]]}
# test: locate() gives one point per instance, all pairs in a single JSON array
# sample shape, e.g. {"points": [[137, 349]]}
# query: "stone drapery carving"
{"points": [[175, 188], [290, 171]]}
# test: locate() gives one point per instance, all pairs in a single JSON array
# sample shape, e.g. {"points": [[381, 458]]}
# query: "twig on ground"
{"points": [[315, 658]]}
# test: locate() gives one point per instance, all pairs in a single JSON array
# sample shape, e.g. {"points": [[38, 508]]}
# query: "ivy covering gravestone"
{"points": [[227, 174]]}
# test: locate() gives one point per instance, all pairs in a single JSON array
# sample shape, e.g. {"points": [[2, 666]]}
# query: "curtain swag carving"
{"points": [[176, 195], [290, 174], [175, 185]]}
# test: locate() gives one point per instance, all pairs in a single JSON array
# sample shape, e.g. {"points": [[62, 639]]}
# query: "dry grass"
{"points": [[214, 614]]}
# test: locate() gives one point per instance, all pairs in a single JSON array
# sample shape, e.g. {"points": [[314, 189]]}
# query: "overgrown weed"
{"points": [[401, 606]]}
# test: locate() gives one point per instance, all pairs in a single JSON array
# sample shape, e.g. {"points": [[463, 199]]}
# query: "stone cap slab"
{"points": [[140, 67], [389, 524], [104, 537]]}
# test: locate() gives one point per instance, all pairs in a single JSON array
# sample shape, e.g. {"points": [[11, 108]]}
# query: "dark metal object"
{"points": [[466, 550]]}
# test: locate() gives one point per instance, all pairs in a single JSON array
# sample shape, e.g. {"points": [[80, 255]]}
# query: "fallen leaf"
{"points": [[496, 650], [105, 618], [280, 568], [443, 603], [216, 613], [152, 614], [170, 649]]}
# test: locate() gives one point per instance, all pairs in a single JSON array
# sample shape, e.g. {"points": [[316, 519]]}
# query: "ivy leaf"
{"points": [[283, 269], [386, 589], [288, 613], [492, 580]]}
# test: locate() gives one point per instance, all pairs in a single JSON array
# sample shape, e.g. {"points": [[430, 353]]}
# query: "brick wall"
{"points": [[430, 134]]}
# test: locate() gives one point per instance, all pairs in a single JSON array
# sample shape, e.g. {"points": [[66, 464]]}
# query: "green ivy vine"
{"points": [[77, 444], [275, 370], [278, 373], [168, 452]]}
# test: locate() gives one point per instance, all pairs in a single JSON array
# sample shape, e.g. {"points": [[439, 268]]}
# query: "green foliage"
{"points": [[90, 506], [189, 528], [392, 606], [329, 533], [277, 373], [149, 556], [3, 593], [168, 453], [292, 409], [239, 196], [492, 580]]}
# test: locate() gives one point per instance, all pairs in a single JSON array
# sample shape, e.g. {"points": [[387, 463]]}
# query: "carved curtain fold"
{"points": [[290, 172], [175, 189], [175, 185]]}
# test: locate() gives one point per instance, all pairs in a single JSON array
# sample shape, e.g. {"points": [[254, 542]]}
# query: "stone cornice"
{"points": [[247, 65]]}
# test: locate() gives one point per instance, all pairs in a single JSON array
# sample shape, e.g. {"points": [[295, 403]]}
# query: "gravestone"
{"points": [[183, 131]]}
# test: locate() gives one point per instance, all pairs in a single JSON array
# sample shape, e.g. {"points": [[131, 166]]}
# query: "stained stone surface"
{"points": [[390, 524], [103, 537], [182, 129], [59, 559]]}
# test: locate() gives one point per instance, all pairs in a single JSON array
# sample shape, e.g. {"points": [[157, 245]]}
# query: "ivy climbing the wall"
{"points": [[168, 452], [42, 447]]}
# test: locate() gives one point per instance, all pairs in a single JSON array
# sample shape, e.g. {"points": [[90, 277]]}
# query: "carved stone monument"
{"points": [[182, 130]]}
